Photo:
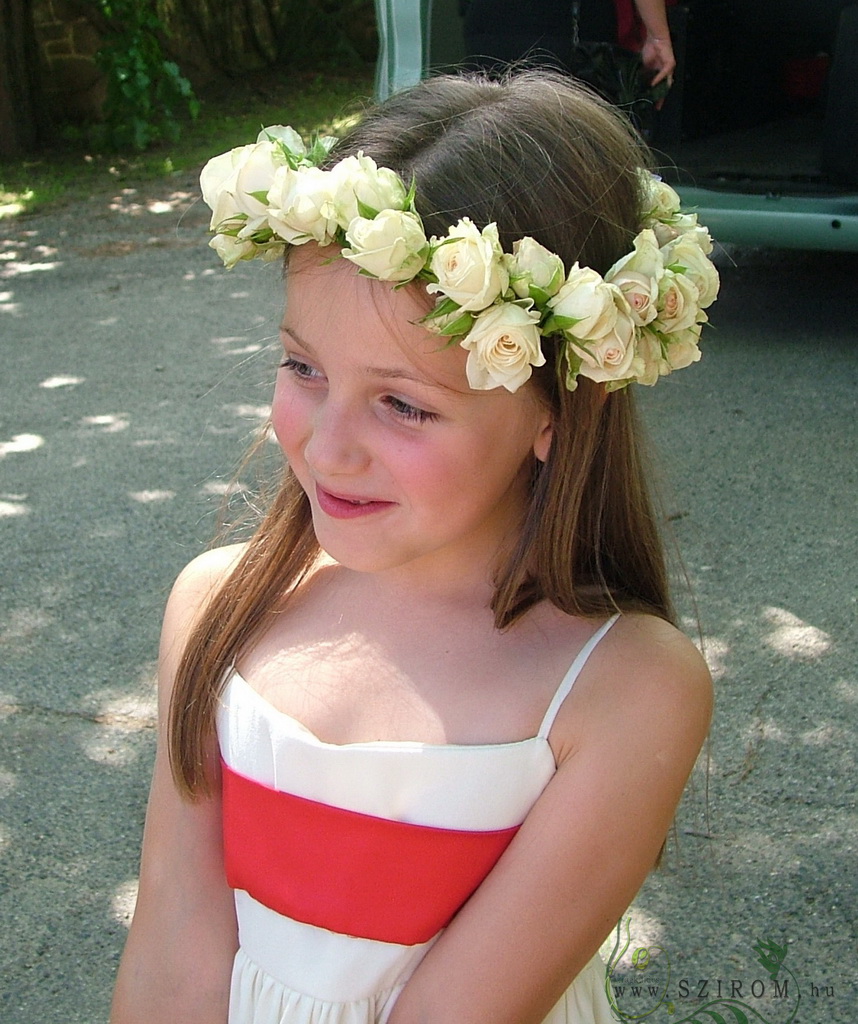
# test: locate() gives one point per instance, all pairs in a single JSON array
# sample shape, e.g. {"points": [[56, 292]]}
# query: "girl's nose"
{"points": [[335, 445]]}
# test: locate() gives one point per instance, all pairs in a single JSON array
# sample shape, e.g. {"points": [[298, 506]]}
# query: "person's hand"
{"points": [[657, 56]]}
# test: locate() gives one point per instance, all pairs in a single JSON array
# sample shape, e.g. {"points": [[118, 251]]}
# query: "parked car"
{"points": [[760, 130]]}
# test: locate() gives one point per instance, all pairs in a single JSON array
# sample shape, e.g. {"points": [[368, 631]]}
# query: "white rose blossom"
{"points": [[503, 346], [217, 182], [700, 235], [667, 231], [587, 302], [231, 249], [662, 354], [611, 357], [287, 137], [687, 254], [226, 216], [683, 349], [233, 183], [301, 206], [468, 266], [678, 303], [534, 272], [637, 275], [662, 214], [391, 246], [651, 356], [661, 201], [359, 181]]}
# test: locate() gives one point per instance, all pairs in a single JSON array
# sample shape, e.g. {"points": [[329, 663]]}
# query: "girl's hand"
{"points": [[178, 958], [625, 741]]}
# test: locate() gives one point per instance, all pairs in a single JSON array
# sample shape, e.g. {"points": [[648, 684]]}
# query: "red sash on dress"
{"points": [[351, 873]]}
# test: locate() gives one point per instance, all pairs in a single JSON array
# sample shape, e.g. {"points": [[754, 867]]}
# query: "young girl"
{"points": [[423, 736]]}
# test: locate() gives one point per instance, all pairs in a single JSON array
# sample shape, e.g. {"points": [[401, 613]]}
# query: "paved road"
{"points": [[134, 371]]}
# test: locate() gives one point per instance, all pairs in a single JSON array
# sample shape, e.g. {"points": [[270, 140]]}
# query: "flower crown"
{"points": [[640, 321]]}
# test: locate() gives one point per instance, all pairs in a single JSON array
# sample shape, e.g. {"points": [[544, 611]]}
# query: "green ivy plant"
{"points": [[145, 91]]}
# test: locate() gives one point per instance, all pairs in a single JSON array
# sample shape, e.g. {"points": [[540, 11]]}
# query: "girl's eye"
{"points": [[409, 412], [299, 369]]}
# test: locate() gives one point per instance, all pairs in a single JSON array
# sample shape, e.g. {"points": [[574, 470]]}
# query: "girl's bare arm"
{"points": [[177, 960], [627, 739]]}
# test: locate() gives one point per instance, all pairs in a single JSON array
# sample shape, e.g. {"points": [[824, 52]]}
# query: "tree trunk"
{"points": [[22, 112]]}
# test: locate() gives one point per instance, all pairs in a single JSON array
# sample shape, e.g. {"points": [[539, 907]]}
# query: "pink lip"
{"points": [[338, 507]]}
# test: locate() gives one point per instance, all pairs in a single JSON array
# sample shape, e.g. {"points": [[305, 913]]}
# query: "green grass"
{"points": [[231, 115]]}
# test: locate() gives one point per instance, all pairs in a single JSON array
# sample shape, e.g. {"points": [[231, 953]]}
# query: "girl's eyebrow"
{"points": [[293, 334], [382, 372], [385, 373]]}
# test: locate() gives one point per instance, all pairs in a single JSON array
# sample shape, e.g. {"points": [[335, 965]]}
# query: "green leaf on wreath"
{"points": [[366, 211], [461, 325], [444, 308], [539, 295], [408, 201], [557, 324]]}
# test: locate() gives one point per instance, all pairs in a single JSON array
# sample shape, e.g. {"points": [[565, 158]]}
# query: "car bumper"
{"points": [[778, 221]]}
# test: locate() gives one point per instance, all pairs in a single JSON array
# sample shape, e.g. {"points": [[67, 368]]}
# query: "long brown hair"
{"points": [[539, 156]]}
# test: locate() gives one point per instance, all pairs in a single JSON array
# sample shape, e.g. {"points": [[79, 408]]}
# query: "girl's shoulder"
{"points": [[204, 574], [649, 660], [195, 586], [201, 578], [638, 647], [643, 673], [650, 642]]}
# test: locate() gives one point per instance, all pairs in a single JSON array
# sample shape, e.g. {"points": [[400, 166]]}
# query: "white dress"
{"points": [[338, 854]]}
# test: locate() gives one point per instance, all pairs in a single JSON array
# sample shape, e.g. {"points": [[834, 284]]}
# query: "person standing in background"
{"points": [[501, 32]]}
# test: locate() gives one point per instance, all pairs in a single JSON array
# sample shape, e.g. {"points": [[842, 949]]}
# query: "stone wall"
{"points": [[67, 32], [74, 86]]}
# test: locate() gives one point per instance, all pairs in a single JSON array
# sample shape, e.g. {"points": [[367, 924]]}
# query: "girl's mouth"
{"points": [[341, 507]]}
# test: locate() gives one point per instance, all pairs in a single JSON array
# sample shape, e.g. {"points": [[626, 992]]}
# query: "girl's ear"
{"points": [[542, 444]]}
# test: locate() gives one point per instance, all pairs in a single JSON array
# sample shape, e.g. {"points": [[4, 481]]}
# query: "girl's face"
{"points": [[405, 467]]}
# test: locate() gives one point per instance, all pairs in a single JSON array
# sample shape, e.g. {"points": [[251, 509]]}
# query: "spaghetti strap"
{"points": [[569, 679]]}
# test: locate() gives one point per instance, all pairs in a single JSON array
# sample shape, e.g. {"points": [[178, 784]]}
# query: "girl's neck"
{"points": [[414, 596]]}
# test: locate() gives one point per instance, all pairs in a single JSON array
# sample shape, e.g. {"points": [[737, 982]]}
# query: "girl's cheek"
{"points": [[289, 418]]}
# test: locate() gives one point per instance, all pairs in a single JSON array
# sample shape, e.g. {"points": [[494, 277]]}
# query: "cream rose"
{"points": [[503, 346], [287, 137], [685, 256], [678, 303], [534, 272], [226, 216], [468, 266], [391, 246], [359, 181], [682, 224], [235, 183], [611, 356], [701, 236], [641, 293], [637, 275], [682, 348], [217, 182], [651, 358], [231, 250], [301, 206], [588, 302], [661, 201]]}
